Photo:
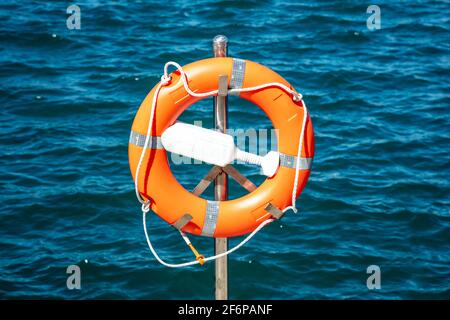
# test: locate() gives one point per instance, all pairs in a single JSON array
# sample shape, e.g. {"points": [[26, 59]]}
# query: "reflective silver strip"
{"points": [[139, 140], [212, 212], [291, 161], [237, 75]]}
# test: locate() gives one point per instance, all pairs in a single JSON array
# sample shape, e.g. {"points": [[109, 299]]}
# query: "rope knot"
{"points": [[146, 207], [297, 97], [165, 79]]}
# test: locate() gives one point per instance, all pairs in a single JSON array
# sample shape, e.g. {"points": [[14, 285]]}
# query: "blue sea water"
{"points": [[378, 193]]}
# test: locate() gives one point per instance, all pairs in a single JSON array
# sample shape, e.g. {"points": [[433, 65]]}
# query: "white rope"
{"points": [[190, 263], [165, 79], [297, 164], [295, 96]]}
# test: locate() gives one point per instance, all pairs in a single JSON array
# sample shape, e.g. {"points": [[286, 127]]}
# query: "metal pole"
{"points": [[220, 48]]}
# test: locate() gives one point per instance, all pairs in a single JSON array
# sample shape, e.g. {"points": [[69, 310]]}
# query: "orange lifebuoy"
{"points": [[171, 201]]}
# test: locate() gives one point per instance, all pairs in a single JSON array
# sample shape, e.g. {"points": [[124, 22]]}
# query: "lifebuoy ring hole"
{"points": [[252, 131]]}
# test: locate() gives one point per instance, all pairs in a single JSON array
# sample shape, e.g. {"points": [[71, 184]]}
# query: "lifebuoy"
{"points": [[170, 200]]}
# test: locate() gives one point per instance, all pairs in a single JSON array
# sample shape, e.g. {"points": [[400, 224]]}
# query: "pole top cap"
{"points": [[220, 44], [220, 39]]}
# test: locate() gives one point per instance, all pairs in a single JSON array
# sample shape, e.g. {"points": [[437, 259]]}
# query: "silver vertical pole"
{"points": [[220, 48]]}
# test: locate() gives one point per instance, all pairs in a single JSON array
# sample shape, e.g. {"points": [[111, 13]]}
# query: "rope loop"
{"points": [[297, 97], [165, 79], [145, 207]]}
